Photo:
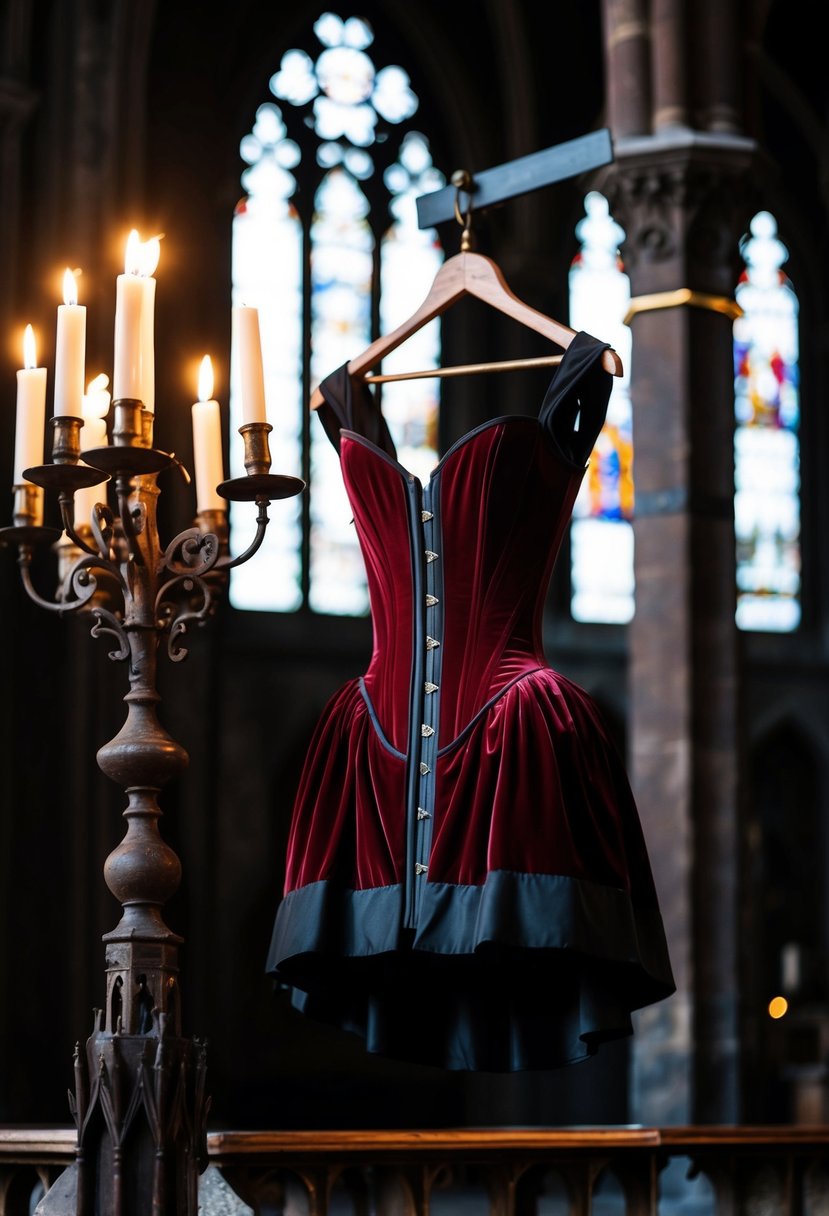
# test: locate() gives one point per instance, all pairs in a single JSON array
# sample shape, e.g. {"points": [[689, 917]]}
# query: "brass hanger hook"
{"points": [[462, 180]]}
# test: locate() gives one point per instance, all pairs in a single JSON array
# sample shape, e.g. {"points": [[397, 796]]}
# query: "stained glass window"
{"points": [[766, 444], [366, 258], [601, 534], [267, 271], [409, 260], [342, 250]]}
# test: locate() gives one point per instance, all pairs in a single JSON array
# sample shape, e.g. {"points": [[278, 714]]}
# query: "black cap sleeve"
{"points": [[575, 405], [349, 405]]}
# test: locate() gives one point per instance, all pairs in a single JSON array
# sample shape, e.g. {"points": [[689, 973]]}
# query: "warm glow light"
{"points": [[205, 379], [150, 253], [96, 398], [141, 257], [98, 384], [132, 254], [70, 287], [29, 351], [778, 1006]]}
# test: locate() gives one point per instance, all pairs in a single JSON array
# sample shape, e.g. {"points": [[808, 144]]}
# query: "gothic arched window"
{"points": [[601, 534], [766, 444], [326, 246]]}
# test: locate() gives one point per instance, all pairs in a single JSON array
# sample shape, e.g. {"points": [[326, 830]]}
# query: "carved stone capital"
{"points": [[683, 201]]}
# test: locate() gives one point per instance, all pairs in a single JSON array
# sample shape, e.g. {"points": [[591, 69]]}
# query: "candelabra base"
{"points": [[141, 1113], [139, 1104]]}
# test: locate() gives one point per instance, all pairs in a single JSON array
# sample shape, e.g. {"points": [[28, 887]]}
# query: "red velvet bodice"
{"points": [[498, 504]]}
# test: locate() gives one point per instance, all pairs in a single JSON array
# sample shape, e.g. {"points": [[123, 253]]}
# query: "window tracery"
{"points": [[320, 274]]}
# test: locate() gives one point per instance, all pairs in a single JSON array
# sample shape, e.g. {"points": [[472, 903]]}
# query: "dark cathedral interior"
{"points": [[135, 114]]}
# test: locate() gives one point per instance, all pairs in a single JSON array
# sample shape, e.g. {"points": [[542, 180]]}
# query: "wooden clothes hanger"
{"points": [[468, 274]]}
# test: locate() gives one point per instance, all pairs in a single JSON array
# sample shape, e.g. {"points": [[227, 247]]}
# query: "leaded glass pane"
{"points": [[766, 444], [410, 259], [601, 534], [267, 274], [342, 248]]}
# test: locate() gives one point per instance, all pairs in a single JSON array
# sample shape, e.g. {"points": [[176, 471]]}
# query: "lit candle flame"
{"points": [[205, 379], [150, 253], [96, 398], [132, 254], [70, 287], [141, 257], [29, 350], [98, 384]]}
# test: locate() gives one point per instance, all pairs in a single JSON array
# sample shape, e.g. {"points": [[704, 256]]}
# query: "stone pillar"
{"points": [[627, 52], [717, 55], [682, 202], [669, 64]]}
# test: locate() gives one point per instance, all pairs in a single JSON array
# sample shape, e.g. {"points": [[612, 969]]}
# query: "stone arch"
{"points": [[682, 1182], [608, 1196], [552, 1194]]}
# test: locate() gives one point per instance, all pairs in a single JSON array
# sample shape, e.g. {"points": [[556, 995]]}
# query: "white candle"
{"points": [[248, 344], [93, 435], [31, 411], [150, 253], [207, 443], [128, 298], [134, 364], [148, 343], [70, 351]]}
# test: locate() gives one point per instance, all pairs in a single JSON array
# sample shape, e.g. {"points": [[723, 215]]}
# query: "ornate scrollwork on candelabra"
{"points": [[140, 1102]]}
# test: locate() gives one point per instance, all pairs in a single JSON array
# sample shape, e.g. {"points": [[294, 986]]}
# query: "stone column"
{"points": [[717, 54], [682, 202], [669, 66], [627, 53]]}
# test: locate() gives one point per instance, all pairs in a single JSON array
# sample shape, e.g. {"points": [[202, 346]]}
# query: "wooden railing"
{"points": [[608, 1171]]}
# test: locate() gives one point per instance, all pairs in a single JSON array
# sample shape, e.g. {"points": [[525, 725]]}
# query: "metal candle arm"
{"points": [[137, 1065], [122, 542], [228, 563], [67, 518]]}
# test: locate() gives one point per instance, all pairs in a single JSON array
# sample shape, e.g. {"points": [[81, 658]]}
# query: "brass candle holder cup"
{"points": [[66, 439], [260, 483]]}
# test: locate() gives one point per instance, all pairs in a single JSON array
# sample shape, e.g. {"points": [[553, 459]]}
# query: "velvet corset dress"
{"points": [[467, 883]]}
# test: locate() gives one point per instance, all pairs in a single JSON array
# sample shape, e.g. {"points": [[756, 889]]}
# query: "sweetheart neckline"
{"points": [[459, 443]]}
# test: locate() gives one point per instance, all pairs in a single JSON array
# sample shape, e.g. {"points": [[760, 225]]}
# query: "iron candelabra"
{"points": [[140, 1101]]}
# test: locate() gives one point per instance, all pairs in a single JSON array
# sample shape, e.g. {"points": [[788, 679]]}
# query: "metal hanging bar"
{"points": [[520, 176], [506, 365]]}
